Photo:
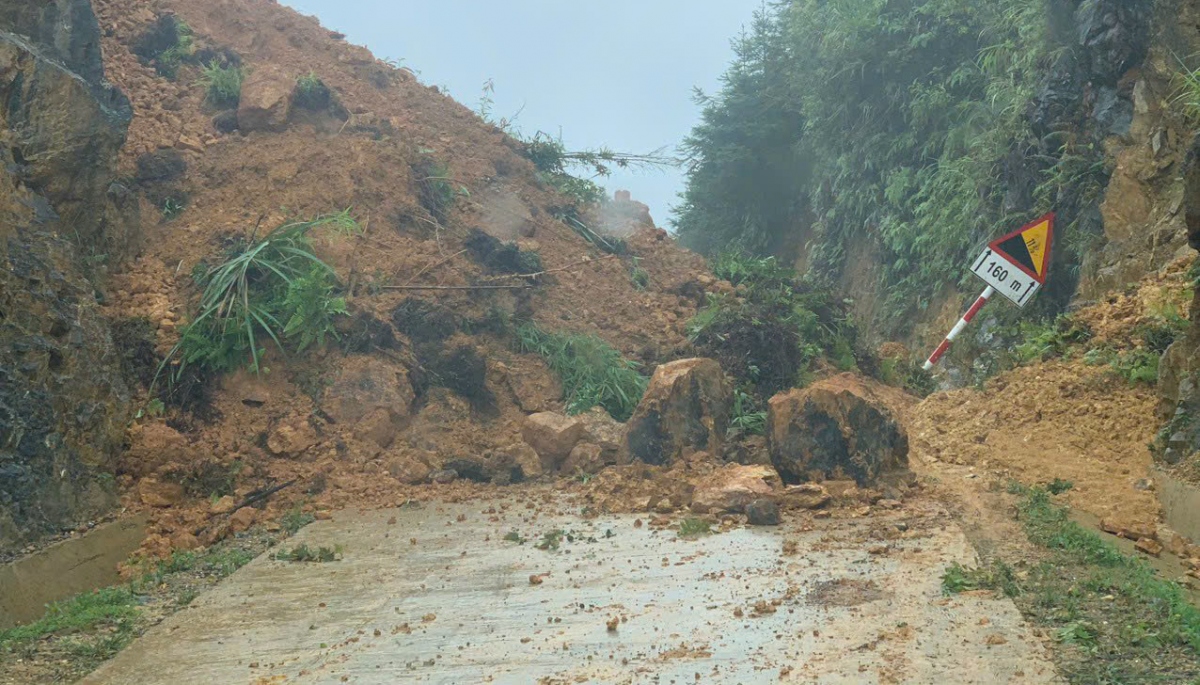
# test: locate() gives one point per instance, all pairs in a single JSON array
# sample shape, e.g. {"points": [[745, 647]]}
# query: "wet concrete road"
{"points": [[437, 595]]}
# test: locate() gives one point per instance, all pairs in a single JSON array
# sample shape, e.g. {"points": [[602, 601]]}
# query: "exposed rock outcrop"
{"points": [[687, 407], [63, 402], [832, 429], [1178, 379]]}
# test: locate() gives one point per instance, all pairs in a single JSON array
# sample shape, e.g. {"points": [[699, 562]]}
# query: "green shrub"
{"points": [[276, 288], [593, 373], [768, 337], [693, 528], [223, 83], [1046, 340]]}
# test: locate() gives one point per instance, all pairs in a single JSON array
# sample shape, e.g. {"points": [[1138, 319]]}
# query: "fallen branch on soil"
{"points": [[582, 262], [456, 287], [431, 267]]}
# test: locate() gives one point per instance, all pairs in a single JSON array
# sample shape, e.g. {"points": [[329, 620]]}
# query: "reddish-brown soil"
{"points": [[243, 185]]}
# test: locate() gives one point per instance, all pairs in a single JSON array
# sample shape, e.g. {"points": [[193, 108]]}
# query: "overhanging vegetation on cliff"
{"points": [[919, 127]]}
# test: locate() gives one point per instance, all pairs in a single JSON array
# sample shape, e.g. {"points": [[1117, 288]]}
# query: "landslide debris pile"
{"points": [[349, 287], [1078, 407]]}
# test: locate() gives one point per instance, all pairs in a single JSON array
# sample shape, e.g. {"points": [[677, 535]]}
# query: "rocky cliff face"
{"points": [[63, 403], [1110, 90]]}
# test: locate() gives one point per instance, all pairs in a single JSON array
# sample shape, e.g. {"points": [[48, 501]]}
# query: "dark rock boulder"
{"points": [[64, 403], [64, 30], [837, 428], [686, 407], [763, 512]]}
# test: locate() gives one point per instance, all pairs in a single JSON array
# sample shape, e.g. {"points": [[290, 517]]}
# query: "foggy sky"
{"points": [[614, 72]]}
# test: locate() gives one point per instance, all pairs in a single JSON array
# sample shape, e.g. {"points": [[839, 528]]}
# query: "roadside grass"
{"points": [[1115, 619], [77, 634]]}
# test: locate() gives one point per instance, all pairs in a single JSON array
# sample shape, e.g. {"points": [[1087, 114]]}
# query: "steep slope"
{"points": [[365, 419]]}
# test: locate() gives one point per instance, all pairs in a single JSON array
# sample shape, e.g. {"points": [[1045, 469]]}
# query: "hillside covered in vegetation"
{"points": [[878, 144]]}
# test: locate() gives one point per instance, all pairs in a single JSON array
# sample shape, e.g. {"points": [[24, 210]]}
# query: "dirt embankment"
{"points": [[1075, 417]]}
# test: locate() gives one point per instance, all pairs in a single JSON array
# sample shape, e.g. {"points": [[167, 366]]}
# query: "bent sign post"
{"points": [[1014, 266]]}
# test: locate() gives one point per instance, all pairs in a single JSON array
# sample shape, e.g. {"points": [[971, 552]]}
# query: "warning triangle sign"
{"points": [[1029, 248]]}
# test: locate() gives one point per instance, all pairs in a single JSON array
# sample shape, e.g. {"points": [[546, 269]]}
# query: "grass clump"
{"points": [[312, 93], [1186, 99], [436, 188], [749, 418], [304, 553], [222, 83], [109, 606], [275, 288], [692, 527], [639, 276], [593, 373], [294, 520], [1050, 339], [166, 45], [551, 540], [997, 576], [514, 536]]}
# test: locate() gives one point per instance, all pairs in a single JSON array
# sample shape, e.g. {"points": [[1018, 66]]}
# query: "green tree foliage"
{"points": [[895, 122]]}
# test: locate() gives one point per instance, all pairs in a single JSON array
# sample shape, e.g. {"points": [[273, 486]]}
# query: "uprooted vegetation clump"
{"points": [[500, 256], [770, 334], [166, 45], [222, 83], [437, 190], [593, 373], [274, 289]]}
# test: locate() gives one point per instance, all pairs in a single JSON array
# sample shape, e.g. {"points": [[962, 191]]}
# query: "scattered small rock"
{"points": [[1148, 546], [242, 519]]}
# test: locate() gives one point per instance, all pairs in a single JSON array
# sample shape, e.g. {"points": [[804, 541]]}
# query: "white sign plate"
{"points": [[1006, 277]]}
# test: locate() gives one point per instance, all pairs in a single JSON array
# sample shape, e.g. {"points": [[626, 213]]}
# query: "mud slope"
{"points": [[373, 151]]}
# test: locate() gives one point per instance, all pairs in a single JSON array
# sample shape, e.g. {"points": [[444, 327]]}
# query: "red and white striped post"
{"points": [[958, 327]]}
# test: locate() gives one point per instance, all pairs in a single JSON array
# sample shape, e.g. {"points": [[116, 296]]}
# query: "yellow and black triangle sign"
{"points": [[1029, 248]]}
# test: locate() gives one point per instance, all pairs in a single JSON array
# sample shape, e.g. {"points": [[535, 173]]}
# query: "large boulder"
{"points": [[64, 404], [266, 100], [370, 396], [686, 408], [552, 436], [835, 428]]}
